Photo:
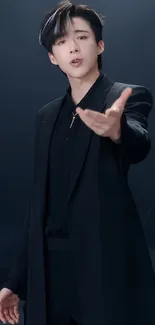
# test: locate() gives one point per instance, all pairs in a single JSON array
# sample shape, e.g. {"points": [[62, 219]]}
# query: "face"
{"points": [[78, 43]]}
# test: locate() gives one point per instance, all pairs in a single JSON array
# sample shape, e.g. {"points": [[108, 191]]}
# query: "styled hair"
{"points": [[54, 24]]}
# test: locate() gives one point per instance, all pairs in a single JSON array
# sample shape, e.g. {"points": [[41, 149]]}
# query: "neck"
{"points": [[80, 86]]}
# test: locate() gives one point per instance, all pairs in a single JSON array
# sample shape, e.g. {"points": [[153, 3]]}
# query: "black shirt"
{"points": [[63, 144]]}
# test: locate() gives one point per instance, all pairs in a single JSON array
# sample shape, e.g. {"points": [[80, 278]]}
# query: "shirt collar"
{"points": [[91, 93]]}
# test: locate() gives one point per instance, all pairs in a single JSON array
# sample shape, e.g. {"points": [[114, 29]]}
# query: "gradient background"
{"points": [[28, 81]]}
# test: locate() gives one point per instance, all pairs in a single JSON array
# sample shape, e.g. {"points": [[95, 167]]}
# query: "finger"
{"points": [[2, 316], [119, 104], [126, 93], [97, 116], [91, 118], [85, 117], [16, 312], [12, 315], [7, 316], [89, 122]]}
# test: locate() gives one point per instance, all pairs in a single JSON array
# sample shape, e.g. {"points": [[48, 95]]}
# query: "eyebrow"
{"points": [[77, 31], [81, 31]]}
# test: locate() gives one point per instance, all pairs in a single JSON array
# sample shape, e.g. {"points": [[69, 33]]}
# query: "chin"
{"points": [[78, 72]]}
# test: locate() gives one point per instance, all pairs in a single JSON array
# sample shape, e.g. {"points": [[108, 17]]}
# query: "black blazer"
{"points": [[128, 269]]}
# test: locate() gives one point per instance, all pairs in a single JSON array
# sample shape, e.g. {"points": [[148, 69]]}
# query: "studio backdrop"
{"points": [[29, 81]]}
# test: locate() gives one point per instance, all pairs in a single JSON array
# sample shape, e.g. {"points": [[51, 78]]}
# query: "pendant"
{"points": [[73, 119]]}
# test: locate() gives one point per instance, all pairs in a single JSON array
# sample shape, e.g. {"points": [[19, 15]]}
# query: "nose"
{"points": [[74, 47], [74, 51]]}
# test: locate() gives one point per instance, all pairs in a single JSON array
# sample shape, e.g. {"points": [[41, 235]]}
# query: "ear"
{"points": [[100, 47], [52, 58]]}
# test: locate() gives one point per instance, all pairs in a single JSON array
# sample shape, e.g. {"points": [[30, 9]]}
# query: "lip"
{"points": [[77, 63], [75, 59]]}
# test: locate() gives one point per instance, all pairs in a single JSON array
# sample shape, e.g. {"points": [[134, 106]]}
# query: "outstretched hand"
{"points": [[107, 124]]}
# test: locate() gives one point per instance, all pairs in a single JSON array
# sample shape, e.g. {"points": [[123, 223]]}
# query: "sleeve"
{"points": [[17, 277], [18, 274], [135, 141]]}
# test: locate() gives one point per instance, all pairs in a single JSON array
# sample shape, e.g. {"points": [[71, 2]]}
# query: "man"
{"points": [[84, 258]]}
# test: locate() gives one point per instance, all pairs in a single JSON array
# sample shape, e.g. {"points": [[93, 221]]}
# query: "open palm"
{"points": [[106, 124], [9, 303]]}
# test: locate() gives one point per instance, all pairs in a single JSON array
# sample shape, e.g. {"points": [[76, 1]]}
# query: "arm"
{"points": [[134, 139]]}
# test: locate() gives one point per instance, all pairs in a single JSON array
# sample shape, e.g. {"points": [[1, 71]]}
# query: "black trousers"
{"points": [[60, 286]]}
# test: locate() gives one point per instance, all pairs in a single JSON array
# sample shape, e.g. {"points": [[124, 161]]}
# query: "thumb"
{"points": [[121, 101], [5, 292]]}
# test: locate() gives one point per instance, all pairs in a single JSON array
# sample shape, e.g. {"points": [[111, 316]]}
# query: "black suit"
{"points": [[127, 276]]}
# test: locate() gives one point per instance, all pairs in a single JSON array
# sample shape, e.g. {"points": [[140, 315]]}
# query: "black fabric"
{"points": [[60, 157], [63, 282], [64, 142], [60, 278], [127, 273]]}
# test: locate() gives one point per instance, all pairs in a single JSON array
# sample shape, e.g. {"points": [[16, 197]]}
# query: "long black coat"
{"points": [[128, 277]]}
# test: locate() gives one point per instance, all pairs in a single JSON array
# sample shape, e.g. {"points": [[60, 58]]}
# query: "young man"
{"points": [[84, 258]]}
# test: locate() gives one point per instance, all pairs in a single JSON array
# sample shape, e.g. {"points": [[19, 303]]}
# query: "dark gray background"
{"points": [[28, 81]]}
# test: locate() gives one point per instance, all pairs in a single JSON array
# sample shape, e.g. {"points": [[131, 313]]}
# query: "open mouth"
{"points": [[76, 62]]}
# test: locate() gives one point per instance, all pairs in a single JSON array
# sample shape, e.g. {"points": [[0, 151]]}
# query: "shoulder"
{"points": [[139, 92], [50, 107]]}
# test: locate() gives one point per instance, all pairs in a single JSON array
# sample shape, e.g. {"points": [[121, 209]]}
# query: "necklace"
{"points": [[73, 119]]}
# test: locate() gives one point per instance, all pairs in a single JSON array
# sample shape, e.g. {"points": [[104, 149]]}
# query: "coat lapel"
{"points": [[45, 127], [98, 103]]}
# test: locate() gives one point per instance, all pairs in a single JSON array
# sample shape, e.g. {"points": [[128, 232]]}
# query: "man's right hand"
{"points": [[9, 306]]}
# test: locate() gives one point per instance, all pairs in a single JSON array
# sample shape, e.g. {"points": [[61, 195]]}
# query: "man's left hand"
{"points": [[107, 124]]}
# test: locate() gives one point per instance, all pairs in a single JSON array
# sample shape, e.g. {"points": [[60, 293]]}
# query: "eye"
{"points": [[61, 42], [83, 37]]}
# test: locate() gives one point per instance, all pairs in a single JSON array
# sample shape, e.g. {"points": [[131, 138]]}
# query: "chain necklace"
{"points": [[73, 119]]}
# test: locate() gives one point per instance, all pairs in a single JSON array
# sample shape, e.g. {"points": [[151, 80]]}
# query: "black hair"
{"points": [[53, 25]]}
